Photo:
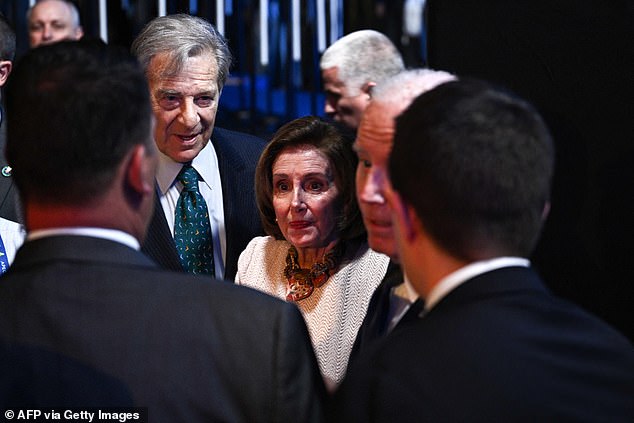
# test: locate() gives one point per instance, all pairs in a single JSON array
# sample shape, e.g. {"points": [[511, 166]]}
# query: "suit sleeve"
{"points": [[300, 391]]}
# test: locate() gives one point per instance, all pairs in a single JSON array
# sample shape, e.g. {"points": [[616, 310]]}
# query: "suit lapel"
{"points": [[159, 243], [232, 180]]}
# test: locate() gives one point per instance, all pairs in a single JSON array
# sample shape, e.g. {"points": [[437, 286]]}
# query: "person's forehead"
{"points": [[376, 131], [377, 118], [331, 78], [305, 157], [51, 9], [162, 68]]}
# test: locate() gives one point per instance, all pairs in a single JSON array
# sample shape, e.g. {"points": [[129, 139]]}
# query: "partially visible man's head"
{"points": [[50, 21], [77, 109], [350, 67], [187, 63], [7, 49], [373, 146], [475, 164]]}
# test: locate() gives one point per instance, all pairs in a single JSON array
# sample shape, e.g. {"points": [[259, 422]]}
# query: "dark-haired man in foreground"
{"points": [[86, 320], [470, 175]]}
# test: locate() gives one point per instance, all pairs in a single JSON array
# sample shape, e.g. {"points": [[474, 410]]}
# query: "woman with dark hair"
{"points": [[316, 253]]}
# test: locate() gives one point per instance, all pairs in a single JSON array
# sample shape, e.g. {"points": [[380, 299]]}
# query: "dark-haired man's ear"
{"points": [[5, 70], [546, 210], [140, 170]]}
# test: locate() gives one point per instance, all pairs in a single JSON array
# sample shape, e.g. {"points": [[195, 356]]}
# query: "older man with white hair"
{"points": [[394, 302], [350, 67]]}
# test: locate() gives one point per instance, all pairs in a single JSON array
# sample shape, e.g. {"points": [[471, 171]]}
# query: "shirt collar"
{"points": [[110, 234], [168, 169], [457, 278], [406, 291]]}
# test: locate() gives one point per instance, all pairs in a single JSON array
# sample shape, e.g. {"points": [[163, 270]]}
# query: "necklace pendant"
{"points": [[300, 285]]}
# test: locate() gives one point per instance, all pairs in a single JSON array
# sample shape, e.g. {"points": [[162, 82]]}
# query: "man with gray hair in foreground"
{"points": [[350, 67]]}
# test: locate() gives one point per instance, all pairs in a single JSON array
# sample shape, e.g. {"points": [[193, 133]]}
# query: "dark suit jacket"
{"points": [[499, 348], [91, 322], [238, 155], [374, 326], [8, 194]]}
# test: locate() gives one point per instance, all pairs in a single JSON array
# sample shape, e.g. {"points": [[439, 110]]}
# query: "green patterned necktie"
{"points": [[192, 231]]}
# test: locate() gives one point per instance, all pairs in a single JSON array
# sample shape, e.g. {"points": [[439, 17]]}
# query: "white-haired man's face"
{"points": [[373, 146], [343, 104]]}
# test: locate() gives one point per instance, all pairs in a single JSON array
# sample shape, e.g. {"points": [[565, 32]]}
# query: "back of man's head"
{"points": [[77, 108], [401, 89], [361, 57], [476, 165]]}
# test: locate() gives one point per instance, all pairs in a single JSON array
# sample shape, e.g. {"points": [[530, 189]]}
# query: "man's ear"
{"points": [[406, 220], [140, 170], [79, 32], [367, 88], [5, 70], [545, 211]]}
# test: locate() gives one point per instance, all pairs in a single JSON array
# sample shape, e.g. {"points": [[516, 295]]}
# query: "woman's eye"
{"points": [[282, 186], [315, 186]]}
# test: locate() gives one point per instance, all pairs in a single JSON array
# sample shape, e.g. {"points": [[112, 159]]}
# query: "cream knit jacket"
{"points": [[334, 312]]}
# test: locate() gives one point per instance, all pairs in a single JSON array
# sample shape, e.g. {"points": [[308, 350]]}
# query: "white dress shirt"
{"points": [[457, 278], [103, 233], [12, 235], [206, 164], [402, 297]]}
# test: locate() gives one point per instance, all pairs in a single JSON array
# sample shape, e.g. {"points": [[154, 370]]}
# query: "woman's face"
{"points": [[305, 197]]}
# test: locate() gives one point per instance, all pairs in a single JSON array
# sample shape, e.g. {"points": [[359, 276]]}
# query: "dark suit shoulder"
{"points": [[233, 142], [374, 324], [8, 195], [235, 353], [499, 335]]}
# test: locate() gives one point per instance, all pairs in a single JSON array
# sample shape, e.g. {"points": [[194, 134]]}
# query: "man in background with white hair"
{"points": [[350, 67]]}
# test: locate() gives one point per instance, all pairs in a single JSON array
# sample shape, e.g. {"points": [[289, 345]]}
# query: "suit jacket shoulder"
{"points": [[499, 347], [8, 195]]}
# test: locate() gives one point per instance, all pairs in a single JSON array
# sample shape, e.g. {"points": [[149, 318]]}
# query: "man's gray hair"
{"points": [[182, 36], [361, 57], [402, 88]]}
